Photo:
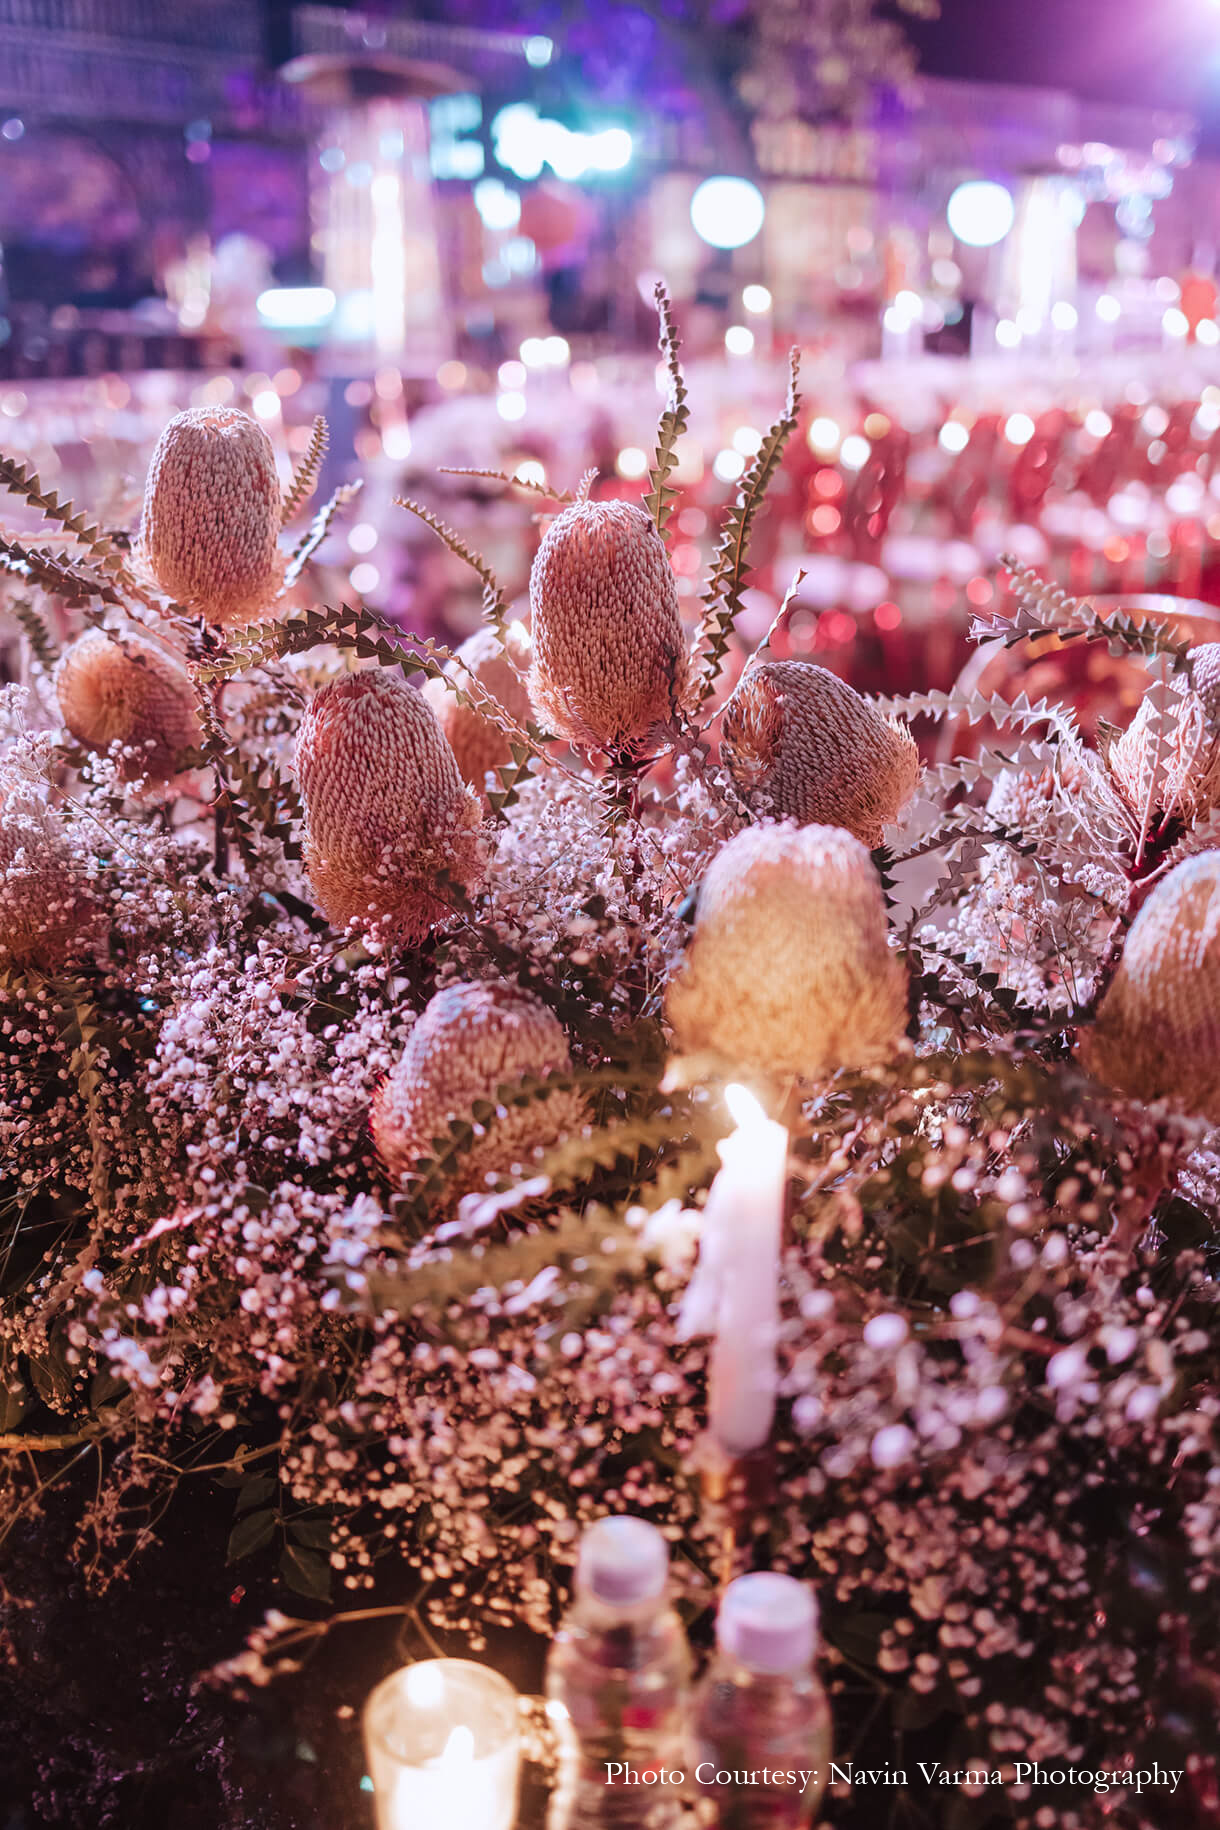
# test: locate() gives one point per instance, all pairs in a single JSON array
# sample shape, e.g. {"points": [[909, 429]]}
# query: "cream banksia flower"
{"points": [[212, 513], [476, 741], [789, 971], [819, 752], [610, 666], [128, 691], [472, 1040], [390, 824], [1157, 1032], [48, 913]]}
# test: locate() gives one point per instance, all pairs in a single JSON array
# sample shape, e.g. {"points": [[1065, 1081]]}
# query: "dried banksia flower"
{"points": [[391, 828], [610, 665], [1171, 763], [789, 971], [476, 741], [48, 913], [818, 751], [1157, 1032], [131, 692], [212, 512], [472, 1040]]}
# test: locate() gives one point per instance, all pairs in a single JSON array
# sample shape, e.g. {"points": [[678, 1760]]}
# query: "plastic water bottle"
{"points": [[618, 1684], [762, 1721]]}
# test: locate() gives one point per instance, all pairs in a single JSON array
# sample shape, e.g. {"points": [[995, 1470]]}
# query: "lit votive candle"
{"points": [[442, 1742]]}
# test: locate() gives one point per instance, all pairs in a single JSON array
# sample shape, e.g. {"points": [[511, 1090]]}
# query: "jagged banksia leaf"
{"points": [[1157, 1031], [212, 513], [1175, 750], [472, 1040], [131, 692], [49, 915], [609, 658], [789, 972], [817, 750], [392, 830], [476, 741]]}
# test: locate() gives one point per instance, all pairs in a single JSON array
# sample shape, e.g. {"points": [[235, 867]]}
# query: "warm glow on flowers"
{"points": [[789, 971]]}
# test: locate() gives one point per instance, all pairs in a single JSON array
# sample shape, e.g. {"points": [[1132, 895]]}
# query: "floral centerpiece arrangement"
{"points": [[366, 1012]]}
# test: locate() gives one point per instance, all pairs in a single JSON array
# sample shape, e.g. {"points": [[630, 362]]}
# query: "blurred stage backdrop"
{"points": [[446, 237]]}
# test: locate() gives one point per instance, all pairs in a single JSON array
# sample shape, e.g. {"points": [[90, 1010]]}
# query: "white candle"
{"points": [[442, 1742], [734, 1293]]}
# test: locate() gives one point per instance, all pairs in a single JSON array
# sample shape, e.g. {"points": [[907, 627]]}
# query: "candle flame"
{"points": [[459, 1748], [425, 1684], [744, 1108]]}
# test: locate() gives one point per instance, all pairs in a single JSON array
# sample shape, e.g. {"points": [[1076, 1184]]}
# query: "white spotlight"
{"points": [[980, 212], [727, 212]]}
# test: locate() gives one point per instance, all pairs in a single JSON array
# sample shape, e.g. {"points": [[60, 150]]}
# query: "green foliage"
{"points": [[512, 777], [87, 1065], [59, 572], [496, 611], [20, 480], [43, 646], [259, 793], [674, 420], [305, 476], [596, 1234], [370, 638], [1044, 609], [430, 1181], [542, 490], [722, 595], [316, 533]]}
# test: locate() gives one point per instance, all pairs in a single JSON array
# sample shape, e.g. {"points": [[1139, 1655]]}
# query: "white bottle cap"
{"points": [[769, 1622], [623, 1561]]}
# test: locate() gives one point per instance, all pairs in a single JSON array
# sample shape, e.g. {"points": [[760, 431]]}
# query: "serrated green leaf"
{"points": [[721, 598], [674, 420]]}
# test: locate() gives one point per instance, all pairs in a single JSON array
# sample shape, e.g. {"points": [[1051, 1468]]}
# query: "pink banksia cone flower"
{"points": [[1157, 1031], [819, 752], [476, 740], [789, 971], [609, 655], [130, 692], [49, 915], [392, 831], [212, 513], [472, 1041], [1179, 756]]}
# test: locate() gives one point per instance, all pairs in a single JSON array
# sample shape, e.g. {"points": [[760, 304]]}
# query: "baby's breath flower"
{"points": [[128, 691], [473, 1040], [610, 664], [789, 972], [1157, 1034], [818, 751], [392, 830], [48, 914], [212, 512]]}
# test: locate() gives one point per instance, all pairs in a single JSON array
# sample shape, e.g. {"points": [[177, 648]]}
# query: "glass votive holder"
{"points": [[442, 1741]]}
